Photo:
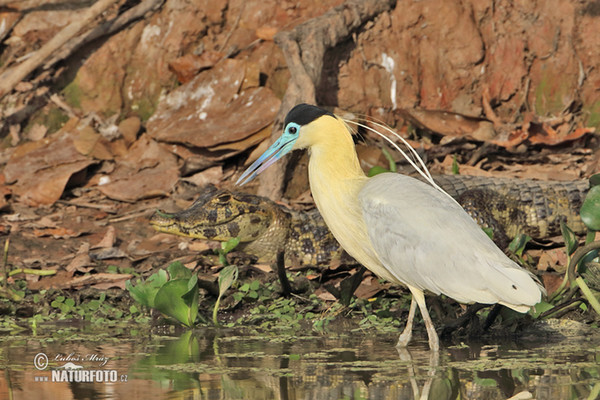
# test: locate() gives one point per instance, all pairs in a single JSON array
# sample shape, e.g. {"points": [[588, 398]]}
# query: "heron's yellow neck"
{"points": [[336, 179], [333, 159]]}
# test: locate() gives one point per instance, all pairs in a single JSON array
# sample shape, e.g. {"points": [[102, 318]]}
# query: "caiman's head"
{"points": [[219, 215]]}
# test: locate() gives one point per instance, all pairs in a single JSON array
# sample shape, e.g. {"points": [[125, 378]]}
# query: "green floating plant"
{"points": [[227, 276], [173, 292], [590, 210]]}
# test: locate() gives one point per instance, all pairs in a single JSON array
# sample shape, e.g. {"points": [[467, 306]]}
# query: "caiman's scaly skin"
{"points": [[508, 206], [263, 227]]}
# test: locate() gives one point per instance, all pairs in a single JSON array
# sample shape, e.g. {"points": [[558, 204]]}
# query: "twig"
{"points": [[106, 28], [101, 207], [304, 49], [133, 215], [10, 78]]}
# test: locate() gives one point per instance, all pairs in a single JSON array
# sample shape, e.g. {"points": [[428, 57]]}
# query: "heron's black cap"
{"points": [[303, 114]]}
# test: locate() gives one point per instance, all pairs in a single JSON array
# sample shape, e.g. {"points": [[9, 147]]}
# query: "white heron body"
{"points": [[408, 232], [441, 257], [400, 228]]}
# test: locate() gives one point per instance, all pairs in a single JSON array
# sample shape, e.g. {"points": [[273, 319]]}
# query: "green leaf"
{"points": [[229, 245], [540, 308], [227, 276], [517, 246], [113, 269], [391, 162], [455, 167], [145, 292], [489, 231], [595, 180], [191, 298], [571, 241], [245, 287], [177, 270], [175, 300], [590, 210], [376, 170]]}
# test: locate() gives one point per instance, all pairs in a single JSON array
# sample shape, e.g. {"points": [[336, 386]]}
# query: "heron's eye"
{"points": [[293, 130]]}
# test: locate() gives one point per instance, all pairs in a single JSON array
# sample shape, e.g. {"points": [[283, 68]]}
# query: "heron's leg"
{"points": [[407, 332], [434, 341]]}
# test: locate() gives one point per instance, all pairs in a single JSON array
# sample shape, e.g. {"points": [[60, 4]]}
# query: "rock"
{"points": [[127, 73], [209, 111], [438, 55]]}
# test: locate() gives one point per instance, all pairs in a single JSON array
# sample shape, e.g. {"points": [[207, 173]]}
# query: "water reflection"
{"points": [[219, 364]]}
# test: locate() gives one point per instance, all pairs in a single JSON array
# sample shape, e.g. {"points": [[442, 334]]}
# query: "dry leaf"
{"points": [[205, 177], [108, 240], [147, 170], [91, 143], [42, 169], [56, 233], [82, 259]]}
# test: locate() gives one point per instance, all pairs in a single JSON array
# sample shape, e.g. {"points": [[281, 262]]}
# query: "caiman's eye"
{"points": [[224, 198]]}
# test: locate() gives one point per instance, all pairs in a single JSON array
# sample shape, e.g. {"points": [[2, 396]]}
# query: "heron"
{"points": [[402, 229]]}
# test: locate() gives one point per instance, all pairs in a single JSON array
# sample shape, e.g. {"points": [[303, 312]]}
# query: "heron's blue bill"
{"points": [[277, 150]]}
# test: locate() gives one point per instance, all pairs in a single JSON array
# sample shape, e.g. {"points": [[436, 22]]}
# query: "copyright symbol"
{"points": [[40, 361]]}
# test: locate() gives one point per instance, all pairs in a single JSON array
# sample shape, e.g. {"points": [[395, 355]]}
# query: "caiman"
{"points": [[508, 206]]}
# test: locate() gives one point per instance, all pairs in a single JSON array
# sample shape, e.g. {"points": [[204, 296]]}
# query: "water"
{"points": [[221, 364]]}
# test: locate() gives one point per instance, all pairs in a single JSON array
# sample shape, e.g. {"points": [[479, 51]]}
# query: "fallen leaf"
{"points": [[90, 143], [324, 295], [545, 134], [555, 259], [450, 124], [82, 259], [41, 171], [198, 246], [205, 177], [56, 233], [369, 287], [130, 127], [264, 268], [147, 170], [551, 281], [108, 240], [56, 281], [108, 253], [103, 280]]}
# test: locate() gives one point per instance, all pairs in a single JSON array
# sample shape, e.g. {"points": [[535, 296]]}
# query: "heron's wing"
{"points": [[428, 241]]}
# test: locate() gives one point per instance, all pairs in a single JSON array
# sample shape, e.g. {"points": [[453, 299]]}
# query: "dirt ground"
{"points": [[113, 109]]}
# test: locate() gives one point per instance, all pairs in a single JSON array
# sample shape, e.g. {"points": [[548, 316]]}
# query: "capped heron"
{"points": [[403, 230]]}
